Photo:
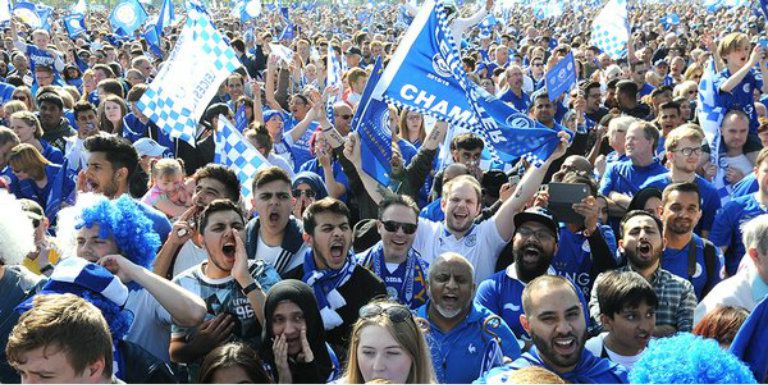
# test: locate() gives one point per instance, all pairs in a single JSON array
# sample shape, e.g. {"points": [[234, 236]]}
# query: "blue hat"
{"points": [[269, 114]]}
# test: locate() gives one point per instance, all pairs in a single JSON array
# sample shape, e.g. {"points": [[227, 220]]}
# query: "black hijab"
{"points": [[303, 296]]}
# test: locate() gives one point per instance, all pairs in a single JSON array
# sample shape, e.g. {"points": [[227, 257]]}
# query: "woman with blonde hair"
{"points": [[387, 343], [34, 175], [411, 127], [26, 125], [24, 95]]}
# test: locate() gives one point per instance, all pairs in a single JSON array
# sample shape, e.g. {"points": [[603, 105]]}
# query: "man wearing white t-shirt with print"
{"points": [[479, 243]]}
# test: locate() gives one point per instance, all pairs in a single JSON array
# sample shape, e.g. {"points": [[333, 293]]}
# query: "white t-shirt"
{"points": [[151, 328], [741, 163], [189, 255], [596, 344], [270, 255], [481, 245]]}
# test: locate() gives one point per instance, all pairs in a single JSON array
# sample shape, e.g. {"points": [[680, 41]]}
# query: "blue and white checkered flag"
{"points": [[197, 65], [610, 30], [237, 153], [711, 114]]}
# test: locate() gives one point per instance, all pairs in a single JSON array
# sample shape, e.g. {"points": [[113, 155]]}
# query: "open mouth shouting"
{"points": [[337, 255], [566, 345], [531, 255], [644, 250], [273, 217]]}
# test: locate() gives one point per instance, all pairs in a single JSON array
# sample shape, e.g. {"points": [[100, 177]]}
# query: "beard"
{"points": [[445, 313], [642, 263], [546, 349], [526, 272]]}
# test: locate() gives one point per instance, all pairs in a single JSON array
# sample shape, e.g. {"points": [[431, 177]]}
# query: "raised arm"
{"points": [[525, 190]]}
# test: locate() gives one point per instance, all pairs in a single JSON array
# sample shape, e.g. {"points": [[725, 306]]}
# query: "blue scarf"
{"points": [[412, 290], [325, 282]]}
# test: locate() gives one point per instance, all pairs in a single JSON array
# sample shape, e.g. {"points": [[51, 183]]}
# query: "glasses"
{"points": [[345, 116], [542, 235], [20, 97], [538, 64], [689, 150], [298, 193], [396, 313], [392, 227]]}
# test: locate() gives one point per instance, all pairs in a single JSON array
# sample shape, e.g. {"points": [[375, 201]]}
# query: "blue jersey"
{"points": [[726, 231], [28, 189], [741, 97], [626, 178], [457, 355], [433, 211], [338, 174], [573, 259], [53, 154], [521, 103], [502, 294], [676, 262], [710, 199], [646, 90], [746, 186]]}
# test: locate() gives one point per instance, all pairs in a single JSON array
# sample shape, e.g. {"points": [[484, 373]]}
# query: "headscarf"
{"points": [[303, 296], [313, 180]]}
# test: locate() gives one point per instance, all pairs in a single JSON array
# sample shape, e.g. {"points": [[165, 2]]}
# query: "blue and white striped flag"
{"points": [[75, 24], [610, 29], [80, 7], [165, 18], [129, 16], [426, 74], [199, 62], [237, 153]]}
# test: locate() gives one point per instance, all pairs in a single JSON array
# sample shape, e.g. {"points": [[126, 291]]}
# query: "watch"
{"points": [[248, 289]]}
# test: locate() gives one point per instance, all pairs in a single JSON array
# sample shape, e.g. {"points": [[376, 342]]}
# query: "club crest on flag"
{"points": [[27, 12], [125, 13], [438, 64]]}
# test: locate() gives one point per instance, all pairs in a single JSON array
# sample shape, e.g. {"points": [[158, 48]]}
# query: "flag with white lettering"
{"points": [[197, 65], [371, 122], [426, 74], [561, 77]]}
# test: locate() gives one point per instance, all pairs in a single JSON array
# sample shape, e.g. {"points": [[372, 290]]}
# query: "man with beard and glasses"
{"points": [[461, 331], [554, 317], [341, 288], [274, 236], [233, 288], [533, 247], [393, 259], [642, 246], [686, 254]]}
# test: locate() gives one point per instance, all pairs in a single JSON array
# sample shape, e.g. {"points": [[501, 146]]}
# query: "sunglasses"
{"points": [[298, 193], [396, 313], [20, 98], [392, 227]]}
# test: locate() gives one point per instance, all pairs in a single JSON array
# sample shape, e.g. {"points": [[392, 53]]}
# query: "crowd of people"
{"points": [[127, 255]]}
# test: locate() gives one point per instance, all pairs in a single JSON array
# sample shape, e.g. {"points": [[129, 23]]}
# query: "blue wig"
{"points": [[688, 359], [123, 221]]}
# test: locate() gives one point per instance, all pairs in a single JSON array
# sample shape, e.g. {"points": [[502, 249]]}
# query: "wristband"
{"points": [[46, 269], [248, 289]]}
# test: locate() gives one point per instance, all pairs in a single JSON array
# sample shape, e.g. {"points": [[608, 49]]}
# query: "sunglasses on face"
{"points": [[20, 97], [298, 193], [393, 226], [395, 313]]}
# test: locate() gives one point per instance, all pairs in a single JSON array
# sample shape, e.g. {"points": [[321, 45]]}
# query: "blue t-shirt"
{"points": [[338, 174], [626, 178], [53, 154], [573, 259], [710, 199], [746, 186], [741, 97], [726, 230], [521, 103], [676, 262], [458, 354], [28, 189], [646, 90], [502, 294], [433, 211]]}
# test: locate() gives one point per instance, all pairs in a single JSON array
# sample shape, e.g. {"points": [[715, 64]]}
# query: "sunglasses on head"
{"points": [[298, 193], [396, 313], [392, 227]]}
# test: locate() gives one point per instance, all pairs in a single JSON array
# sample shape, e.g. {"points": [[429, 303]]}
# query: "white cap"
{"points": [[148, 147]]}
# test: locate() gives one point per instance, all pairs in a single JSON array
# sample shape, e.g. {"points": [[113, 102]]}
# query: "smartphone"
{"points": [[562, 196], [514, 179]]}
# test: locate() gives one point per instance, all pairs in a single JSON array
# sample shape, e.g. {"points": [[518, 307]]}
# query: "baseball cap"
{"points": [[148, 147], [354, 51], [540, 215]]}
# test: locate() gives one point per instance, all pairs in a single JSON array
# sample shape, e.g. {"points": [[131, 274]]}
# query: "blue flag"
{"points": [[764, 8], [561, 77], [610, 30], [238, 154], [27, 12], [371, 122], [426, 74], [711, 114], [75, 24], [62, 187], [153, 40], [241, 119], [288, 32], [44, 12], [129, 16], [165, 18], [250, 9], [750, 342]]}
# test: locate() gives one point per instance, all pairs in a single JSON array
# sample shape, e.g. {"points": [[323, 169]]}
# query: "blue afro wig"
{"points": [[123, 220], [688, 359]]}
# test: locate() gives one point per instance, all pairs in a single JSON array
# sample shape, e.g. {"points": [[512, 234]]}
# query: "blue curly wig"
{"points": [[688, 359], [123, 220]]}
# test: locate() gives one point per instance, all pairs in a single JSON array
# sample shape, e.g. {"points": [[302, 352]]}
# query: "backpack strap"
{"points": [[691, 258], [710, 260]]}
